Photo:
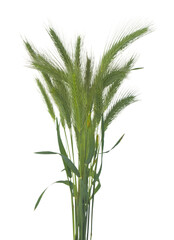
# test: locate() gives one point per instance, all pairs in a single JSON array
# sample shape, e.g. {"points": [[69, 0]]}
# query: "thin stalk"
{"points": [[92, 207], [72, 206], [67, 142], [88, 217], [72, 203], [72, 147], [75, 182], [93, 185], [72, 150]]}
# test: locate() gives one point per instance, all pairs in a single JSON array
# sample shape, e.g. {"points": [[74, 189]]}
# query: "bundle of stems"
{"points": [[84, 96]]}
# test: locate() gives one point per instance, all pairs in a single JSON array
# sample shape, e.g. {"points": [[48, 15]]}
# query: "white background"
{"points": [[136, 201]]}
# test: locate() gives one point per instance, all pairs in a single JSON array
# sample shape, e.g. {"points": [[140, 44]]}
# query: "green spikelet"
{"points": [[47, 66], [77, 52], [46, 98], [47, 80], [118, 73], [61, 49], [32, 52], [115, 79], [87, 85], [98, 104], [88, 74], [117, 108], [120, 45], [62, 104], [75, 98]]}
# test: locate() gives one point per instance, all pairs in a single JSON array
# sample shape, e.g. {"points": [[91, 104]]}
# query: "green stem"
{"points": [[93, 185], [88, 217], [72, 203], [67, 142], [75, 183], [72, 206]]}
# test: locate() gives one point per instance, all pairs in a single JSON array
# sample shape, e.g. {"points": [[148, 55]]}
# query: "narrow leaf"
{"points": [[66, 182], [46, 152], [96, 190], [96, 177], [115, 144], [69, 183], [38, 201], [137, 68], [70, 164], [62, 150], [91, 153]]}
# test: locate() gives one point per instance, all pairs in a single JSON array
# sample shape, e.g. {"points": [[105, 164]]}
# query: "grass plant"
{"points": [[87, 100]]}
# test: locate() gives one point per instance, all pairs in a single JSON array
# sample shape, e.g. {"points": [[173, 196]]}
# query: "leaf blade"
{"points": [[95, 190], [62, 149], [46, 152], [69, 165], [39, 199], [66, 182], [115, 144]]}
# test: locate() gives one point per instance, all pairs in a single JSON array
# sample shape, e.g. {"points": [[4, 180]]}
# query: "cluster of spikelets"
{"points": [[84, 96], [79, 93]]}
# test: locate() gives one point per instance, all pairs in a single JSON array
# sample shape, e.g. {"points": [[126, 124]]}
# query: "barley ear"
{"points": [[46, 99]]}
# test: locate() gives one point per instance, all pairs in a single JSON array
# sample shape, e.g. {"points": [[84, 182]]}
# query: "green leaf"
{"points": [[91, 152], [69, 183], [91, 173], [137, 68], [96, 177], [70, 164], [96, 190], [66, 182], [83, 191], [46, 152], [40, 197], [62, 150], [115, 144]]}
